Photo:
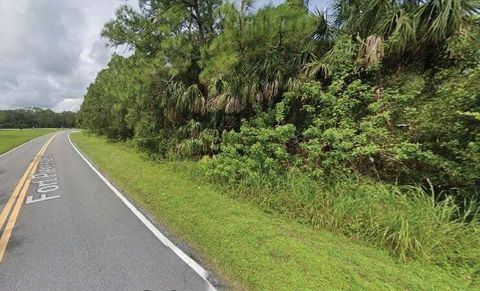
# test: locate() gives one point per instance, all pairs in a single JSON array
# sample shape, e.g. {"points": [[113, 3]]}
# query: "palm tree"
{"points": [[439, 19], [406, 25]]}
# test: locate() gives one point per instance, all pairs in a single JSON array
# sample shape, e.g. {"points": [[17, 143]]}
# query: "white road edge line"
{"points": [[23, 144], [189, 261]]}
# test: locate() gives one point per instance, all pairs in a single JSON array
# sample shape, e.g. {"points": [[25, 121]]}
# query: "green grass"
{"points": [[404, 220], [10, 139], [247, 247]]}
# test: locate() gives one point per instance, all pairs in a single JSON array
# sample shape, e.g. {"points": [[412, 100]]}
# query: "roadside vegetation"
{"points": [[249, 248], [364, 122], [10, 139]]}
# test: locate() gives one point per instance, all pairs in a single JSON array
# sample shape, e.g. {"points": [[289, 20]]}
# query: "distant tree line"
{"points": [[36, 118]]}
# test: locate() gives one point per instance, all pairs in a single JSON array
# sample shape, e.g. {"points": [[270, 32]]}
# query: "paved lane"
{"points": [[76, 234]]}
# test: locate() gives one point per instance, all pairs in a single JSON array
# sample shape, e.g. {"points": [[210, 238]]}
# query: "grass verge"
{"points": [[247, 247], [10, 139], [403, 219]]}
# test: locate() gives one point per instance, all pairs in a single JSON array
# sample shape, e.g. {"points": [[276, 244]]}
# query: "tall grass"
{"points": [[406, 220]]}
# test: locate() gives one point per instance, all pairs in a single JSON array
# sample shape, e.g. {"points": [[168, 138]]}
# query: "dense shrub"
{"points": [[299, 158]]}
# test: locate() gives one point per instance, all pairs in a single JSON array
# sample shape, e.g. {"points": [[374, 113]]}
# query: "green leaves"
{"points": [[389, 90], [409, 27]]}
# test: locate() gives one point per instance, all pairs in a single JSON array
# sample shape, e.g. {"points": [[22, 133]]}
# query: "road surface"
{"points": [[63, 228]]}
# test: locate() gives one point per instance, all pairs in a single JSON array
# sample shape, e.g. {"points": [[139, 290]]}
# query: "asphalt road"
{"points": [[70, 231]]}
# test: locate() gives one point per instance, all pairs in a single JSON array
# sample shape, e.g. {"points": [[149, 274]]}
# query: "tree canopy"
{"points": [[383, 88]]}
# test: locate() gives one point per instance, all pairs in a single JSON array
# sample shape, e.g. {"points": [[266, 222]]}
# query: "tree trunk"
{"points": [[371, 51]]}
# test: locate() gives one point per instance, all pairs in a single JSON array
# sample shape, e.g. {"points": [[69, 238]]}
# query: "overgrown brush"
{"points": [[402, 219]]}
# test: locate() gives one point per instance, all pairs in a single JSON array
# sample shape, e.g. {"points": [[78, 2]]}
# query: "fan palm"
{"points": [[407, 25]]}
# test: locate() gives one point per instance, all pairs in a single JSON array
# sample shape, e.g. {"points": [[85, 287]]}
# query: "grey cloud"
{"points": [[98, 52], [50, 44], [51, 50]]}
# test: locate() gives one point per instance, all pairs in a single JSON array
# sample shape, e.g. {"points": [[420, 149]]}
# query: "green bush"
{"points": [[411, 127], [256, 152]]}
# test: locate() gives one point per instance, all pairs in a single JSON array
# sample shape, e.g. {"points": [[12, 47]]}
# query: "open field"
{"points": [[10, 139], [247, 247]]}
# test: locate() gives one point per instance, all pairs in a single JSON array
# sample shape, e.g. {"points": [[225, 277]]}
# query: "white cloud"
{"points": [[68, 104]]}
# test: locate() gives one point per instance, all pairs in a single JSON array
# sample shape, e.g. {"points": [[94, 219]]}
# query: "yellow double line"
{"points": [[16, 200]]}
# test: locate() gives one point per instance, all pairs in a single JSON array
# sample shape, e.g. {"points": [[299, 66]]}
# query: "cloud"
{"points": [[51, 50], [69, 104]]}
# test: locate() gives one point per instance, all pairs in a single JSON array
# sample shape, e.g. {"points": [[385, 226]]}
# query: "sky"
{"points": [[51, 50]]}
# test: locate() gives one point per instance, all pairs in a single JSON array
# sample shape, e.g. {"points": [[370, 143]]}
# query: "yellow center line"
{"points": [[13, 197], [20, 192], [18, 188]]}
